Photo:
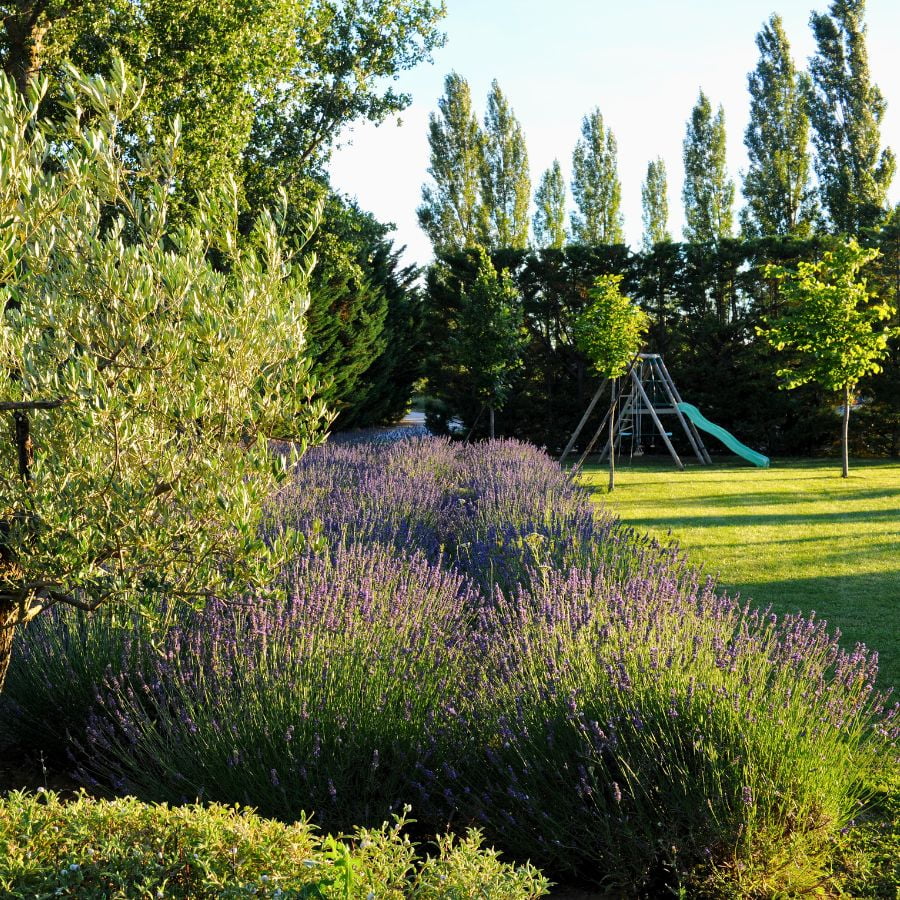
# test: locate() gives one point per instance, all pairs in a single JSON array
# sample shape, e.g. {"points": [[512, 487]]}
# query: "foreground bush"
{"points": [[125, 849], [470, 639]]}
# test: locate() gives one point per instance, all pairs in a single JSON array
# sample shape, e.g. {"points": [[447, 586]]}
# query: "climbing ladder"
{"points": [[646, 389]]}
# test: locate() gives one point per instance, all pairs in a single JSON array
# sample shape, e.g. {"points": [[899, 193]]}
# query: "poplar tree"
{"points": [[450, 209], [846, 110], [505, 181], [780, 199], [655, 204], [596, 186], [708, 192], [549, 222]]}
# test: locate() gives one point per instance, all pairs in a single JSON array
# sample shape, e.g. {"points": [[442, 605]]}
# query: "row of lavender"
{"points": [[467, 635]]}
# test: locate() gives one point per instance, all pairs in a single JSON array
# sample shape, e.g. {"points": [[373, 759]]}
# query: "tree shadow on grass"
{"points": [[737, 519]]}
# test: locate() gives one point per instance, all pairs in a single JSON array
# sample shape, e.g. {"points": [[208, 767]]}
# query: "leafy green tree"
{"points": [[846, 111], [708, 192], [451, 209], [219, 59], [147, 363], [829, 325], [489, 337], [596, 186], [505, 181], [780, 199], [347, 54], [549, 222], [286, 75], [878, 416], [655, 205], [609, 332]]}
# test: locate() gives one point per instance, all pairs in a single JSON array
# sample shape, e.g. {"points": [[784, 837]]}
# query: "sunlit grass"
{"points": [[796, 536]]}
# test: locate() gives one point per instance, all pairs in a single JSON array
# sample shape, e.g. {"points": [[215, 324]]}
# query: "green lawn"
{"points": [[796, 536]]}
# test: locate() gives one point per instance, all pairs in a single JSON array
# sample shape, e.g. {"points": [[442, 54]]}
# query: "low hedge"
{"points": [[89, 848]]}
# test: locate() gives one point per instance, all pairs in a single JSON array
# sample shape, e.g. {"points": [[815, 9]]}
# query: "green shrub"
{"points": [[126, 849]]}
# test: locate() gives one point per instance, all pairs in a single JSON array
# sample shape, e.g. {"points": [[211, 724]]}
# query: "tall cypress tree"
{"points": [[780, 199], [596, 186], [450, 210], [549, 222], [382, 393], [348, 306], [846, 110], [655, 205], [505, 181], [708, 192]]}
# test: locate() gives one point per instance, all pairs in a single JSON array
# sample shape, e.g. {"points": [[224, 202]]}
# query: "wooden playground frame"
{"points": [[650, 392]]}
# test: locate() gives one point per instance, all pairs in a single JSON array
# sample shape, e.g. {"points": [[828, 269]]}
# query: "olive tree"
{"points": [[830, 326], [609, 332], [146, 364]]}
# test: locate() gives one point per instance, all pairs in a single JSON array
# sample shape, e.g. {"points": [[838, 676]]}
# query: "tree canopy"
{"points": [[655, 205], [846, 111], [451, 208], [549, 222], [596, 186], [274, 80], [505, 180], [780, 198], [609, 331]]}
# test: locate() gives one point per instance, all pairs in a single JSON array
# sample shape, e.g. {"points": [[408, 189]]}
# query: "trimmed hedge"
{"points": [[126, 849]]}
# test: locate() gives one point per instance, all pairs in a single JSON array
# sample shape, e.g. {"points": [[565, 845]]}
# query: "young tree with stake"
{"points": [[610, 332], [490, 335], [830, 325]]}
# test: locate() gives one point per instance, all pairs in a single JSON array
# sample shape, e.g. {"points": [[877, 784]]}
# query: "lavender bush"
{"points": [[496, 512], [329, 702], [61, 660], [635, 729], [474, 639]]}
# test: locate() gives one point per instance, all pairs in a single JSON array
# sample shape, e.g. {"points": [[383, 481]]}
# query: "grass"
{"points": [[795, 536]]}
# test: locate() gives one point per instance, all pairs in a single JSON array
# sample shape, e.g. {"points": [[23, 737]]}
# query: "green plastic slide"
{"points": [[726, 437]]}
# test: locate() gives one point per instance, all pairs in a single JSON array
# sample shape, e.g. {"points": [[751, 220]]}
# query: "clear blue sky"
{"points": [[641, 62]]}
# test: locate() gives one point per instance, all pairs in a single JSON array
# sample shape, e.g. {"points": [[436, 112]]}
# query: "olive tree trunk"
{"points": [[26, 27], [8, 618]]}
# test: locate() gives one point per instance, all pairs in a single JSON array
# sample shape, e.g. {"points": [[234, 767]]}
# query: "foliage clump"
{"points": [[122, 849], [150, 358], [830, 324]]}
